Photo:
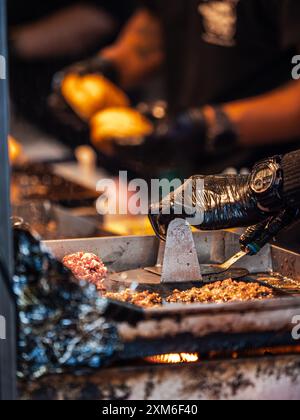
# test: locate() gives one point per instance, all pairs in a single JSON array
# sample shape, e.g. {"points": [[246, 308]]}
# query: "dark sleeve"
{"points": [[119, 9], [291, 177], [290, 23], [23, 12], [152, 5]]}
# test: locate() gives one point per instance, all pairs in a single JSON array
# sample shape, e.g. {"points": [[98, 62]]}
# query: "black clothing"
{"points": [[20, 12], [222, 50], [291, 170]]}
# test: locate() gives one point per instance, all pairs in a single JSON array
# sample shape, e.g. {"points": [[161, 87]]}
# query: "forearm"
{"points": [[139, 50], [273, 117]]}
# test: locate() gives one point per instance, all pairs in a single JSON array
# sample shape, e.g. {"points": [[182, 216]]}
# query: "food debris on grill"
{"points": [[144, 299], [222, 292], [87, 266]]}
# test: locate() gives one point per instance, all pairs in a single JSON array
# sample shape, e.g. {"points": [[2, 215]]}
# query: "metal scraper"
{"points": [[181, 262], [177, 258]]}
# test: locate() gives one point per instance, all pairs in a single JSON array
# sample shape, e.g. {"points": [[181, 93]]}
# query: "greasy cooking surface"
{"points": [[219, 292], [222, 292]]}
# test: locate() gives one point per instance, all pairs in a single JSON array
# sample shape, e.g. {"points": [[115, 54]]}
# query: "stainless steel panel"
{"points": [[119, 253], [127, 253]]}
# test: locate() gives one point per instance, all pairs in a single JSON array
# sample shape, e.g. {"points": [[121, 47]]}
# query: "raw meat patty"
{"points": [[87, 266]]}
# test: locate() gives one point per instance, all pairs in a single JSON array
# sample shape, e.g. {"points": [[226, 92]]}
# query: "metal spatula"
{"points": [[220, 268]]}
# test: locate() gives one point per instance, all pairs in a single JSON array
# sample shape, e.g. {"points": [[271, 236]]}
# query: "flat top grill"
{"points": [[199, 328]]}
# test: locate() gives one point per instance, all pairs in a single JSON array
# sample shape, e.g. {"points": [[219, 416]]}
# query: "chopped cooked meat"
{"points": [[86, 266], [144, 299], [222, 292]]}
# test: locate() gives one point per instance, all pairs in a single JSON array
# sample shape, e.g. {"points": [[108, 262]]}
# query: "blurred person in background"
{"points": [[227, 66], [45, 36]]}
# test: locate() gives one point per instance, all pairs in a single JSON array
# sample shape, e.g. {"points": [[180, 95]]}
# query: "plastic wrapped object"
{"points": [[209, 203], [60, 323]]}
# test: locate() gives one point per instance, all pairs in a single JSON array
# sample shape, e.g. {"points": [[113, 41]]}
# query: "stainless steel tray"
{"points": [[126, 253]]}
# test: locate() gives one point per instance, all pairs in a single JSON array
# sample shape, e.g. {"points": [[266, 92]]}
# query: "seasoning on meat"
{"points": [[87, 266], [144, 299], [222, 292]]}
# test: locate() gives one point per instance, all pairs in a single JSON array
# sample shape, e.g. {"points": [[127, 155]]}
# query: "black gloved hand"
{"points": [[209, 203], [93, 65], [256, 237], [176, 141], [186, 129], [209, 129], [57, 103], [268, 198], [148, 140]]}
